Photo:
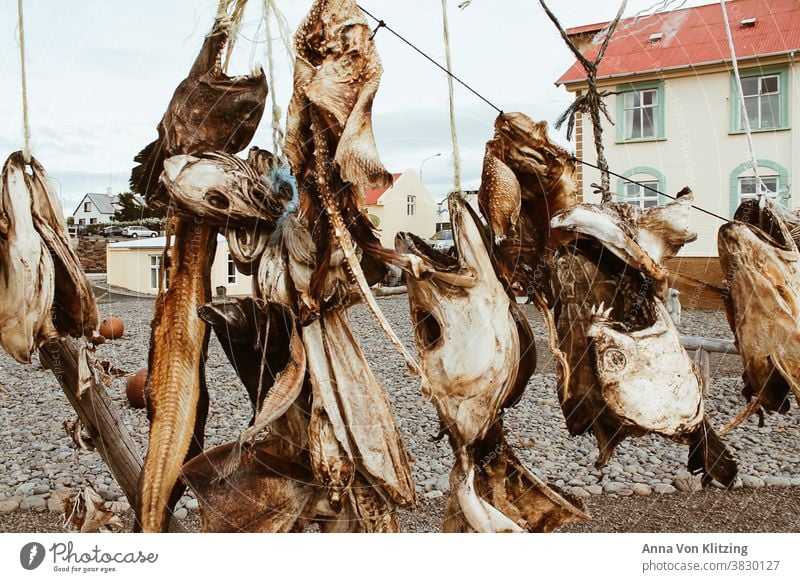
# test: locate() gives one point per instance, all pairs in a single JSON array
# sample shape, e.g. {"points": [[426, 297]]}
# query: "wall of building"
{"points": [[392, 210], [129, 268], [698, 149], [93, 213]]}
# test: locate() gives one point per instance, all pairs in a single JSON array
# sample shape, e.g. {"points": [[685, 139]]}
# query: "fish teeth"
{"points": [[600, 312]]}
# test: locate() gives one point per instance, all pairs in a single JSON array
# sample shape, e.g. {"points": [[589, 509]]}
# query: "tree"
{"points": [[132, 209]]}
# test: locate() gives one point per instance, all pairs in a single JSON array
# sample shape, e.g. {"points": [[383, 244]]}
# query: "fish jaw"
{"points": [[646, 377]]}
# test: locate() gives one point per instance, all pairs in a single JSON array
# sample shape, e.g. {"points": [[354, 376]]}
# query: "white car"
{"points": [[442, 241], [138, 231]]}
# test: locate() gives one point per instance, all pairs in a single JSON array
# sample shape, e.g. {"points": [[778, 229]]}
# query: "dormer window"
{"points": [[655, 37], [747, 22]]}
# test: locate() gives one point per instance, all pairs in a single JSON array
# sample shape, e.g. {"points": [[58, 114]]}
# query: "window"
{"points": [[641, 110], [747, 186], [641, 196], [87, 206], [762, 101], [155, 272], [81, 221], [92, 221], [231, 270], [766, 99], [410, 204]]}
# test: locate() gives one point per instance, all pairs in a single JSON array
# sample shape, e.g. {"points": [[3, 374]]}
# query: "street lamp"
{"points": [[425, 160]]}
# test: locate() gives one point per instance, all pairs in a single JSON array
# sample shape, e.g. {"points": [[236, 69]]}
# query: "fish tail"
{"points": [[709, 455]]}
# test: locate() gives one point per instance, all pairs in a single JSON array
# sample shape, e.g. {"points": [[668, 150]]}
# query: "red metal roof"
{"points": [[695, 36], [371, 195]]}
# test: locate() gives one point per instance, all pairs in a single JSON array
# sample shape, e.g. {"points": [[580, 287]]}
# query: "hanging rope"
{"points": [[26, 128], [453, 131], [278, 135], [760, 187]]}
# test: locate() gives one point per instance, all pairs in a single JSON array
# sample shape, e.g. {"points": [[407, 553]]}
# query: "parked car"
{"points": [[138, 232], [112, 231], [442, 241], [76, 229]]}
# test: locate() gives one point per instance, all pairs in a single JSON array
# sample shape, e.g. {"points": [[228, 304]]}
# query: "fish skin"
{"points": [[500, 195], [26, 268], [209, 111], [177, 399], [761, 264]]}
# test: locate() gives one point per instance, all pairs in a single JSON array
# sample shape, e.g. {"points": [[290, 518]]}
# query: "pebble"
{"points": [[752, 482], [443, 483], [9, 504], [435, 494], [664, 488], [579, 492], [594, 489], [34, 503], [41, 489], [613, 487], [181, 513], [192, 505], [642, 489], [777, 481], [689, 484]]}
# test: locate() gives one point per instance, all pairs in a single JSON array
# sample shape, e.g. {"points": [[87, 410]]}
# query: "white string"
{"points": [[26, 128], [453, 132], [278, 135], [760, 187]]}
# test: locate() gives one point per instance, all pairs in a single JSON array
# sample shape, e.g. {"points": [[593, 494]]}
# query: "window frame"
{"points": [[766, 168], [643, 174], [643, 194], [658, 117], [87, 206], [231, 272], [782, 72], [763, 177], [411, 205]]}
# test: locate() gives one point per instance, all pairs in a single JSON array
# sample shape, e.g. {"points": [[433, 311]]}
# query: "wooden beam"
{"points": [[716, 345], [98, 414]]}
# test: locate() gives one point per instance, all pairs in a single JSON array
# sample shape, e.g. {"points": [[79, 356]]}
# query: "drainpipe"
{"points": [[794, 120]]}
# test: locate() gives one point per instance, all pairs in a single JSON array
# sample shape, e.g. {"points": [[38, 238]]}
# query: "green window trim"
{"points": [[652, 172], [735, 117], [640, 86], [783, 180]]}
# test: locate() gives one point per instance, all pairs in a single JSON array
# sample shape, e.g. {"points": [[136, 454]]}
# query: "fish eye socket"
{"points": [[217, 199], [427, 328]]}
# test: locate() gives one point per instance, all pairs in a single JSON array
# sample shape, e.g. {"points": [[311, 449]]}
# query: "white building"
{"points": [[96, 208], [136, 265], [406, 206], [676, 112]]}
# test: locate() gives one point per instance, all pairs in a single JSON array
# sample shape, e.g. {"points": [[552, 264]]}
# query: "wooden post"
{"points": [[717, 345], [98, 414]]}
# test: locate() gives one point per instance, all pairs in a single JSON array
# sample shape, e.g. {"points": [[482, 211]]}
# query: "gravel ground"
{"points": [[644, 488]]}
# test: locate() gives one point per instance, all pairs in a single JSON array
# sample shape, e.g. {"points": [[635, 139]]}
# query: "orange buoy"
{"points": [[134, 388], [112, 328]]}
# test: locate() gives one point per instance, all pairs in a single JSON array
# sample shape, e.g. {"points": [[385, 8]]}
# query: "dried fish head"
{"points": [[646, 376], [465, 329]]}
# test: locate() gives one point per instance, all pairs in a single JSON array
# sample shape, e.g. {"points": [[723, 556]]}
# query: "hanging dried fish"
{"points": [[209, 111], [760, 262], [86, 512], [628, 373], [477, 352], [526, 180], [331, 148], [45, 293]]}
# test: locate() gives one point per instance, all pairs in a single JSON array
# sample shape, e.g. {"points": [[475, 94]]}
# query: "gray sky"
{"points": [[101, 72]]}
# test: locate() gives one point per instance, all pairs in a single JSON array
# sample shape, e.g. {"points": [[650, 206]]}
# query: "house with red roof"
{"points": [[406, 206], [675, 109]]}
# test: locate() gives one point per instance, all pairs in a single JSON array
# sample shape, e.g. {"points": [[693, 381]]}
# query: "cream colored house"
{"points": [[406, 206], [136, 265], [676, 111]]}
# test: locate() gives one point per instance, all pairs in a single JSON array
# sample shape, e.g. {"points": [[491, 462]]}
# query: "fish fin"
{"points": [[709, 455], [144, 177]]}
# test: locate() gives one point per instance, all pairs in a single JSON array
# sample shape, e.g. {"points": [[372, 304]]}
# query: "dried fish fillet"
{"points": [[762, 268], [45, 292], [477, 352]]}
